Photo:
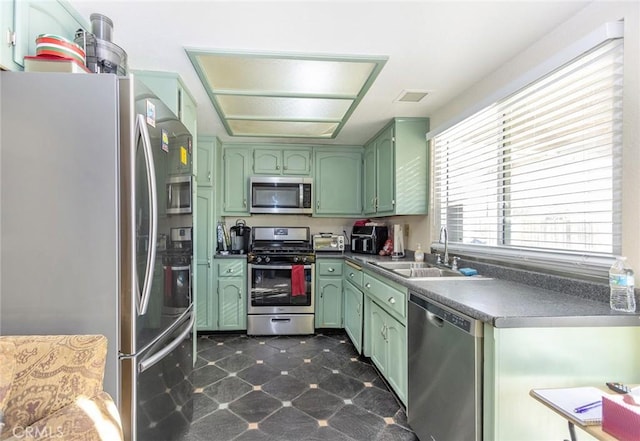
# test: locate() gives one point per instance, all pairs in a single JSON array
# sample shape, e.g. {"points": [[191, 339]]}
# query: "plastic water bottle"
{"points": [[621, 285], [418, 255]]}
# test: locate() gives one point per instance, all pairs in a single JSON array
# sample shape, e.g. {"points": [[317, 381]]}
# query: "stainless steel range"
{"points": [[281, 275]]}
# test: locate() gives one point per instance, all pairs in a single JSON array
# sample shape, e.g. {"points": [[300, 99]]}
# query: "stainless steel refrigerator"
{"points": [[86, 161]]}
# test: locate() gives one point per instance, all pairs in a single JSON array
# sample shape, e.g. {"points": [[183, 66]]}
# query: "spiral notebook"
{"points": [[566, 400]]}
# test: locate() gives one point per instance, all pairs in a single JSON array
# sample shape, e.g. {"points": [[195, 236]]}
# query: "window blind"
{"points": [[540, 169]]}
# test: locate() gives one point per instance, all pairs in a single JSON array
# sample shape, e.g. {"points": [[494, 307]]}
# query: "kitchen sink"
{"points": [[420, 270]]}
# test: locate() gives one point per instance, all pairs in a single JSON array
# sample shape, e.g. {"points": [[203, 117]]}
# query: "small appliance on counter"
{"points": [[368, 239], [240, 237], [328, 242], [398, 242]]}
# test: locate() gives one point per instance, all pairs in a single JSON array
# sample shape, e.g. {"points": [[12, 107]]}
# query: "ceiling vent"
{"points": [[411, 96]]}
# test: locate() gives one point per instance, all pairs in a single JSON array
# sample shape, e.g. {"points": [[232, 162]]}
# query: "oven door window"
{"points": [[177, 289], [287, 285], [275, 195]]}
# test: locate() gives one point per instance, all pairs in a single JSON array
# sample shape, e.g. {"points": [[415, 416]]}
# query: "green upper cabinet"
{"points": [[235, 180], [338, 181], [282, 161], [23, 20], [395, 176], [205, 168], [168, 86]]}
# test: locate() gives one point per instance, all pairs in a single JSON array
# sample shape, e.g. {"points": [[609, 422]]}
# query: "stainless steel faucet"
{"points": [[446, 244]]}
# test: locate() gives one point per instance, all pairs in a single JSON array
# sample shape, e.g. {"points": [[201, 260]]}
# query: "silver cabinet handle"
{"points": [[367, 285], [230, 270], [352, 275], [277, 167], [244, 202], [331, 270], [392, 300]]}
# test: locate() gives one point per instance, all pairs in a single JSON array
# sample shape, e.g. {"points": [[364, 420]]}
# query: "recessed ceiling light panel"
{"points": [[282, 94]]}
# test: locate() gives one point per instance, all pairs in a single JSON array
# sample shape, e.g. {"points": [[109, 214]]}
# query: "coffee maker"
{"points": [[240, 237]]}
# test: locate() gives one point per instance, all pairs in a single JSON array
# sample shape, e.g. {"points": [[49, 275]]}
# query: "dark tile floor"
{"points": [[291, 388]]}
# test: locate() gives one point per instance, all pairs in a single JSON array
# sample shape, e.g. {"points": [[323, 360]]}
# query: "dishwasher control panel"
{"points": [[456, 319]]}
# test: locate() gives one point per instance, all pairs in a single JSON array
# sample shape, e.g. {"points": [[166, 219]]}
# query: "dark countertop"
{"points": [[527, 301]]}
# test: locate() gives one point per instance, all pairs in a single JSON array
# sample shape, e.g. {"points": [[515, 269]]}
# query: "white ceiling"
{"points": [[443, 47]]}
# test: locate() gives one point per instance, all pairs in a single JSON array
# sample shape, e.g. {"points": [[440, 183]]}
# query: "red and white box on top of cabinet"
{"points": [[621, 417]]}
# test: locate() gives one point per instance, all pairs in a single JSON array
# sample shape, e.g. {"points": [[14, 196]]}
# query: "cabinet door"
{"points": [[205, 299], [396, 340], [353, 314], [267, 161], [385, 172], [376, 331], [369, 181], [296, 162], [329, 303], [236, 187], [33, 18], [206, 161], [338, 180], [232, 313]]}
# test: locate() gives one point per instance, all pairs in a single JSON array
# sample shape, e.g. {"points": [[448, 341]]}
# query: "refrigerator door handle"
{"points": [[143, 133], [147, 363]]}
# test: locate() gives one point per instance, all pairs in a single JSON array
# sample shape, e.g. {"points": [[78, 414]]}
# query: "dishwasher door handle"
{"points": [[434, 319]]}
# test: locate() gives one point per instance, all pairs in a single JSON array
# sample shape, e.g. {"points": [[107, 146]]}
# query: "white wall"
{"points": [[586, 21]]}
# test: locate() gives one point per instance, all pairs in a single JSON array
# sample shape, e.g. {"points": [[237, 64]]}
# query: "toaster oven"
{"points": [[328, 242]]}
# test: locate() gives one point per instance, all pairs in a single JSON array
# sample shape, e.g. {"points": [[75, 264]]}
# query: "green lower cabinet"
{"points": [[396, 340], [376, 337], [352, 312], [232, 300], [388, 347], [231, 294], [329, 303], [328, 295], [206, 309]]}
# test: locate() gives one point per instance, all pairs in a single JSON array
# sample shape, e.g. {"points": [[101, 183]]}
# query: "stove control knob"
{"points": [[296, 259], [267, 259], [258, 259], [304, 259]]}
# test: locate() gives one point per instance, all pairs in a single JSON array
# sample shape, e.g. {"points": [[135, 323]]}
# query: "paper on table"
{"points": [[566, 400]]}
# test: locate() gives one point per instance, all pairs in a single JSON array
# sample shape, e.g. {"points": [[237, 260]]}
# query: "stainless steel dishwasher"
{"points": [[445, 373]]}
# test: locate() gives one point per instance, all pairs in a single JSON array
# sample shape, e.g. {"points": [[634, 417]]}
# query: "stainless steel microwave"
{"points": [[281, 195], [179, 195]]}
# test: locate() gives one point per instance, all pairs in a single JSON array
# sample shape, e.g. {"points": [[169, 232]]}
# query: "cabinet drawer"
{"points": [[389, 297], [329, 268], [231, 268], [353, 274]]}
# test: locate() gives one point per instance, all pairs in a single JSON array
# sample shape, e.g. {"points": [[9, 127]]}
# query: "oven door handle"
{"points": [[282, 267]]}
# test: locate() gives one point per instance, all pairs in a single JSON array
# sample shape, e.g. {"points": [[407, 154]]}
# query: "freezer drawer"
{"points": [[163, 393]]}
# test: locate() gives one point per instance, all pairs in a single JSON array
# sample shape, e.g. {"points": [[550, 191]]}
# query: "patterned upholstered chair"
{"points": [[51, 388]]}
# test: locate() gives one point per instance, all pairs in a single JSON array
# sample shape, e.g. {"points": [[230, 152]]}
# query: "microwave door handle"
{"points": [[301, 195], [143, 132]]}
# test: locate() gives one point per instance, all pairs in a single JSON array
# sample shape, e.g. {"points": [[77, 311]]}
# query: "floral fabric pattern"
{"points": [[55, 389]]}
